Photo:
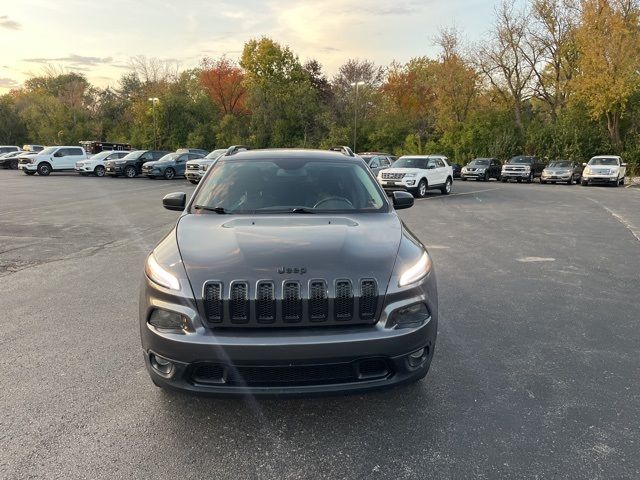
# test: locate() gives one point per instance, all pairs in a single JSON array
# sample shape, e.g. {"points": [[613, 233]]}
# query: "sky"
{"points": [[98, 37]]}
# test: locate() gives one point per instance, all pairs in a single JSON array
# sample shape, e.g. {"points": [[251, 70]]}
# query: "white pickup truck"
{"points": [[604, 169], [52, 159]]}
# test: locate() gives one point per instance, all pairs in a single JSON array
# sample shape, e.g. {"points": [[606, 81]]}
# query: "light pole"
{"points": [[153, 101], [355, 114]]}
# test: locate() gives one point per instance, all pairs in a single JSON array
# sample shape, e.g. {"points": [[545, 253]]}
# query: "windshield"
{"points": [[48, 150], [102, 155], [216, 153], [604, 161], [410, 162], [170, 157], [133, 155], [527, 160], [560, 165], [479, 162], [282, 185]]}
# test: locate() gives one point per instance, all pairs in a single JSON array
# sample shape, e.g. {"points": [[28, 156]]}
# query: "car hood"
{"points": [[252, 248]]}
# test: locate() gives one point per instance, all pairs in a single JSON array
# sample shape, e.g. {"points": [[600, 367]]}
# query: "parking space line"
{"points": [[455, 194], [626, 223]]}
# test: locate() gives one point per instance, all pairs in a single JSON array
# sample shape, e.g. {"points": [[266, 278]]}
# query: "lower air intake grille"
{"points": [[318, 302], [213, 302], [291, 302], [344, 300], [265, 303], [239, 303], [368, 299]]}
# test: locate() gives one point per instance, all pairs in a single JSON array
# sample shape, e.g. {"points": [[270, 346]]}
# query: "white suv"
{"points": [[417, 174], [52, 159], [606, 169], [95, 163]]}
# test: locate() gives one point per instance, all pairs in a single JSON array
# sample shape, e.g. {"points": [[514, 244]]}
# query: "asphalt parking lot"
{"points": [[535, 373]]}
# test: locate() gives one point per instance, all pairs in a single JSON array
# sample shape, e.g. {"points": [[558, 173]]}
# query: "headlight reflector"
{"points": [[417, 272], [159, 275]]}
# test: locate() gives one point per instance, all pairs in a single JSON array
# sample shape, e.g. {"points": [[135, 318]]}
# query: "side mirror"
{"points": [[402, 200], [584, 164], [430, 167], [175, 201], [623, 165]]}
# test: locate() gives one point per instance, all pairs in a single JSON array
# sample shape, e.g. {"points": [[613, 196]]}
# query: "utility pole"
{"points": [[153, 101], [355, 115]]}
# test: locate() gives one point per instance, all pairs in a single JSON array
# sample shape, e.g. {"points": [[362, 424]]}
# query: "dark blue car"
{"points": [[170, 166]]}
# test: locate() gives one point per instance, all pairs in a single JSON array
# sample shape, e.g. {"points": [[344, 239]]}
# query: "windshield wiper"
{"points": [[302, 210], [219, 210]]}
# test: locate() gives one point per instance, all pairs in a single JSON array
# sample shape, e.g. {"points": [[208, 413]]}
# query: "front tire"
{"points": [[446, 190], [570, 182], [130, 171], [99, 171], [13, 165], [169, 174], [44, 169], [584, 183], [543, 182], [503, 179], [530, 178], [486, 177], [421, 191], [27, 172]]}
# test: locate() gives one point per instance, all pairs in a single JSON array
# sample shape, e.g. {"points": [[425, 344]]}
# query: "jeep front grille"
{"points": [[290, 303]]}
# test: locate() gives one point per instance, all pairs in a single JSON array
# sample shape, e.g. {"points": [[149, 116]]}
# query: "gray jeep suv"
{"points": [[288, 272]]}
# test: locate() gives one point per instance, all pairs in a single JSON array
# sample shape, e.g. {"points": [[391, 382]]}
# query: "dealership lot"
{"points": [[535, 373]]}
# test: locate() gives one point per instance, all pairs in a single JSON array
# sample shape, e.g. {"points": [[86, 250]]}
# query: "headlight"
{"points": [[586, 171], [159, 275], [410, 175], [481, 170], [504, 168], [464, 169], [204, 167], [417, 272]]}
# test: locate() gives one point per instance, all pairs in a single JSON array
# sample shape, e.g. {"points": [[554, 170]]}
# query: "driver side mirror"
{"points": [[402, 200], [431, 167], [175, 201], [623, 164], [584, 164]]}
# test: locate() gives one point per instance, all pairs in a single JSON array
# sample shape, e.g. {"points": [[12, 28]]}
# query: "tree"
{"points": [[13, 131], [224, 83], [608, 39]]}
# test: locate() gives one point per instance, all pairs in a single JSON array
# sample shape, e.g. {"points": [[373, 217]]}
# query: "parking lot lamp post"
{"points": [[153, 101], [355, 114]]}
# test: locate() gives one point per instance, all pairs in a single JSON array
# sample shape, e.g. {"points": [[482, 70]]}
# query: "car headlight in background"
{"points": [[159, 275], [410, 175], [586, 171], [416, 272], [481, 170]]}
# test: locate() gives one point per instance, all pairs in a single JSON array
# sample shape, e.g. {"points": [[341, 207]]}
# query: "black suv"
{"points": [[482, 169], [131, 164], [522, 168], [288, 272]]}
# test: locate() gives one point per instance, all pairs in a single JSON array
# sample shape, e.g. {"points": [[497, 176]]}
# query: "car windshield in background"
{"points": [[479, 162], [48, 151], [603, 161], [560, 165], [288, 185], [410, 162], [133, 155], [216, 153], [170, 157], [521, 160], [102, 155]]}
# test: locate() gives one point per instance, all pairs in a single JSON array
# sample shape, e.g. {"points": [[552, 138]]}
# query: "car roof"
{"points": [[282, 153]]}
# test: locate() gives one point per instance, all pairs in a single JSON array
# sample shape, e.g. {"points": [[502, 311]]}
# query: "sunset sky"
{"points": [[97, 38]]}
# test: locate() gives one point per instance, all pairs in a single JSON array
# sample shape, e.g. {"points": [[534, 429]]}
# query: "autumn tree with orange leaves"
{"points": [[223, 81]]}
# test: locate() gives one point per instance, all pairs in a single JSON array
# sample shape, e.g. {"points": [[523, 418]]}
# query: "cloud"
{"points": [[74, 60], [6, 22], [6, 82]]}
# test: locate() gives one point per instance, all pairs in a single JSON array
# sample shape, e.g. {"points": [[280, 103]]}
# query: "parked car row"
{"points": [[9, 154]]}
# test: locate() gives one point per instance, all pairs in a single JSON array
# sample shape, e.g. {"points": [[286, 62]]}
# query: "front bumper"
{"points": [[603, 179], [508, 174], [556, 178], [195, 175], [83, 169], [472, 175], [289, 351], [114, 170], [27, 166], [404, 185]]}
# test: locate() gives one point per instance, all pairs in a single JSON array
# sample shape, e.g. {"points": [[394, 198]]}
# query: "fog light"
{"points": [[169, 321], [161, 364], [418, 357]]}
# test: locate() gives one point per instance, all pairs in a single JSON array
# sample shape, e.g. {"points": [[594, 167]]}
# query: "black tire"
{"points": [[195, 182], [570, 182], [27, 172], [44, 169], [519, 180], [130, 172], [446, 189], [622, 182], [486, 177], [421, 191], [543, 181], [530, 178], [169, 174], [584, 183], [617, 184], [13, 165], [99, 171], [464, 179], [503, 179]]}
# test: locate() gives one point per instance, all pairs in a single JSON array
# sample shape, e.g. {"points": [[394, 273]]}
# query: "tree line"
{"points": [[555, 78]]}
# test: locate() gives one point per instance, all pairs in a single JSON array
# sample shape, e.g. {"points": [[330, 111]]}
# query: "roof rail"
{"points": [[232, 150], [343, 149]]}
